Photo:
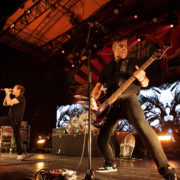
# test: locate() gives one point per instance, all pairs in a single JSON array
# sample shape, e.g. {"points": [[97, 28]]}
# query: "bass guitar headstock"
{"points": [[159, 53]]}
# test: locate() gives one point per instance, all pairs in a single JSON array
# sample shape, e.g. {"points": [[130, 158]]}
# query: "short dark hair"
{"points": [[22, 89], [118, 38]]}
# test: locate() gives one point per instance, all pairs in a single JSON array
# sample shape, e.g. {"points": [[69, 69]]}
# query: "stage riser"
{"points": [[71, 145]]}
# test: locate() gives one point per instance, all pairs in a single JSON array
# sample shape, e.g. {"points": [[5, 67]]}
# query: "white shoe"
{"points": [[23, 157], [107, 169]]}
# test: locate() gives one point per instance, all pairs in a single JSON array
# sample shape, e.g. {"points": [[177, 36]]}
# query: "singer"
{"points": [[15, 115]]}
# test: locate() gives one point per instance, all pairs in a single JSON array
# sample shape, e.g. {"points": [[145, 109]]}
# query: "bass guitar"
{"points": [[158, 54]]}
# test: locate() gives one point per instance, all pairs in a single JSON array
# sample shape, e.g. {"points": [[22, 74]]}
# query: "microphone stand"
{"points": [[90, 172]]}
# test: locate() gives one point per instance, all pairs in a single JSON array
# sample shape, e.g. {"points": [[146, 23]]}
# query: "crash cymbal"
{"points": [[80, 96]]}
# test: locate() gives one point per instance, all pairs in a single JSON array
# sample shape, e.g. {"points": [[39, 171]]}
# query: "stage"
{"points": [[128, 169]]}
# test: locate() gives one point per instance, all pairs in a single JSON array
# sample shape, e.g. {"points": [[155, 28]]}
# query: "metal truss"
{"points": [[30, 15], [55, 16], [58, 9]]}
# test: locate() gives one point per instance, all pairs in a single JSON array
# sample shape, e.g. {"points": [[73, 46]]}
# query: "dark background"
{"points": [[45, 87]]}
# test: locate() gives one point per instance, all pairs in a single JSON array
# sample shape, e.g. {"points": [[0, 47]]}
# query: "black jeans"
{"points": [[129, 108], [5, 121]]}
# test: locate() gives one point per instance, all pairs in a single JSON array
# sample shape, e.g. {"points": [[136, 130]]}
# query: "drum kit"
{"points": [[78, 112]]}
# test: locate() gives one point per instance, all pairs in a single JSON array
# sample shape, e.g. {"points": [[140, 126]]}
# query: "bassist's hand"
{"points": [[93, 104], [140, 75]]}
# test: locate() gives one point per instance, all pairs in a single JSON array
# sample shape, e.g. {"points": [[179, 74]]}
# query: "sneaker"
{"points": [[107, 169], [23, 157], [168, 173]]}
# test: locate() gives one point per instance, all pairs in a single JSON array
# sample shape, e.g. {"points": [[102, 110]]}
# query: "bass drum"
{"points": [[72, 125], [84, 122]]}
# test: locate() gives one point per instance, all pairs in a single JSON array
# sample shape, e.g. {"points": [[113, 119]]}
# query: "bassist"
{"points": [[113, 75]]}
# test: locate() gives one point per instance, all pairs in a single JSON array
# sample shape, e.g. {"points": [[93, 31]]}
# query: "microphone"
{"points": [[3, 89]]}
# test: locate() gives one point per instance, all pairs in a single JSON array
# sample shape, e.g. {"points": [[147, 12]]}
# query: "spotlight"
{"points": [[155, 20], [116, 11], [116, 8], [165, 138], [68, 36], [139, 39], [41, 141], [171, 25], [28, 11], [63, 51], [135, 16], [83, 58], [12, 26], [95, 46]]}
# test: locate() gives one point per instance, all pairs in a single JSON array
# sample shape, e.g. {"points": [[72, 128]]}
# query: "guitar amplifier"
{"points": [[72, 144]]}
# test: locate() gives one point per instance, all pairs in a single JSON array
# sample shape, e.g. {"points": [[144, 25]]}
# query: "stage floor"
{"points": [[128, 169]]}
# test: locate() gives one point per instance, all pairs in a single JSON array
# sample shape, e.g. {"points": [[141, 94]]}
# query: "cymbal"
{"points": [[80, 96], [82, 102]]}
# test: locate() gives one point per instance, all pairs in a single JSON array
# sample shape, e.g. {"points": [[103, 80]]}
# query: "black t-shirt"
{"points": [[17, 110], [113, 75]]}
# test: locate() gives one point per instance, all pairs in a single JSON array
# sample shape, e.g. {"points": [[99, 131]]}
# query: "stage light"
{"points": [[139, 39], [165, 138], [12, 26], [155, 20], [171, 25], [116, 11], [83, 58], [135, 16], [95, 46], [28, 11], [68, 36], [63, 51], [41, 141]]}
